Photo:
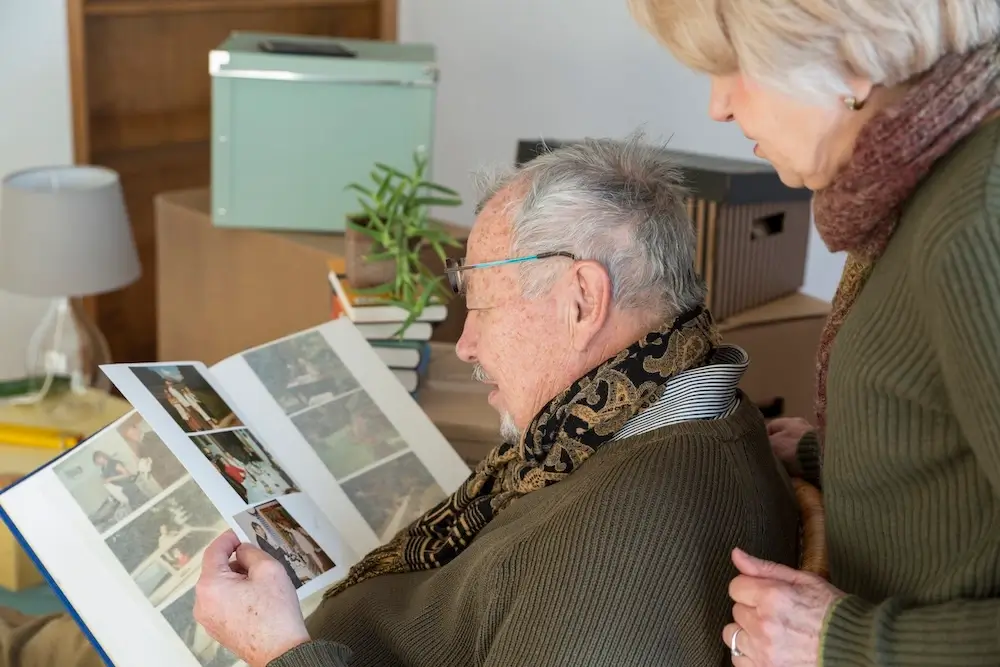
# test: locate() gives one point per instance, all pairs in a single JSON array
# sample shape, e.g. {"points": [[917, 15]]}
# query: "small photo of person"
{"points": [[119, 471], [272, 528], [161, 547], [392, 494], [180, 615], [301, 371], [349, 434], [245, 465], [187, 397]]}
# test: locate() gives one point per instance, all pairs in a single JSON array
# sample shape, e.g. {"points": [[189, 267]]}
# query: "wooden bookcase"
{"points": [[141, 100]]}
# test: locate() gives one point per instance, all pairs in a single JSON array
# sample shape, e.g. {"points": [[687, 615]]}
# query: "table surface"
{"points": [[22, 460]]}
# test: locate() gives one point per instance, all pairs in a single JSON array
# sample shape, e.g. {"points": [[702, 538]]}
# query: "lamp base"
{"points": [[63, 363]]}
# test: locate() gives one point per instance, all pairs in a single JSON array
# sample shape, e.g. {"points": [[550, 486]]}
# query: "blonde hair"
{"points": [[811, 48]]}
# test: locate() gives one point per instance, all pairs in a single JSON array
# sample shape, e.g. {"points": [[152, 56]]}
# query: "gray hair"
{"points": [[810, 49], [620, 203]]}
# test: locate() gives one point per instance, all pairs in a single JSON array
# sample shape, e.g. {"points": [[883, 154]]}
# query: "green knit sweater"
{"points": [[911, 475], [626, 562]]}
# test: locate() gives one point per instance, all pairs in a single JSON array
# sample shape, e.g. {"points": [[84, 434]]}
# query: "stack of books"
{"points": [[408, 354]]}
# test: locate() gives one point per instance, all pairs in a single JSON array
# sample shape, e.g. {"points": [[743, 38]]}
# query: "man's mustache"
{"points": [[479, 374]]}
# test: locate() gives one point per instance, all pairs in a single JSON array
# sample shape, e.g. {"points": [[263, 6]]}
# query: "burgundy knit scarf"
{"points": [[895, 150]]}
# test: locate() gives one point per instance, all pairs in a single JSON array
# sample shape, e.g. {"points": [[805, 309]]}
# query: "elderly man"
{"points": [[600, 531]]}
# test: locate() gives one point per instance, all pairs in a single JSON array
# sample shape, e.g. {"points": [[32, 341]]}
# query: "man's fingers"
{"points": [[216, 556], [765, 569], [749, 591], [253, 559]]}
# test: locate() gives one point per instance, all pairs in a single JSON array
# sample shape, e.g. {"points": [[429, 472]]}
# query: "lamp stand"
{"points": [[63, 363]]}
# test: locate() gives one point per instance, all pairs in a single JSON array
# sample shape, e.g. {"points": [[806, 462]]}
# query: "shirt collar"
{"points": [[706, 392]]}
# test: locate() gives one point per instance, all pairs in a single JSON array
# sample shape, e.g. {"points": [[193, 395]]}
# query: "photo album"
{"points": [[308, 447]]}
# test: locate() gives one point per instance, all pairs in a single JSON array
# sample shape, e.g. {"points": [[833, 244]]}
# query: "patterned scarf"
{"points": [[895, 150], [564, 434]]}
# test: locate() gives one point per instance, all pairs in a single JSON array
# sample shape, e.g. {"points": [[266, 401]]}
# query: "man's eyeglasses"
{"points": [[455, 268]]}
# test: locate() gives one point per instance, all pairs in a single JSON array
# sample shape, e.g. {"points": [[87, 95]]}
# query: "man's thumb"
{"points": [[251, 557], [765, 569]]}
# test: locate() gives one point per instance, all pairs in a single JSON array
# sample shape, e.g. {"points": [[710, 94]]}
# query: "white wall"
{"points": [[34, 129], [523, 69]]}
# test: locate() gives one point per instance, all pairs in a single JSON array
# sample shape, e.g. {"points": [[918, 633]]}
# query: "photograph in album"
{"points": [[119, 472], [161, 548], [301, 372], [278, 534], [245, 464], [393, 493], [180, 615], [187, 397], [349, 434]]}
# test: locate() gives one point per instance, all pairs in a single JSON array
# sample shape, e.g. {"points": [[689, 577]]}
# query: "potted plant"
{"points": [[390, 243]]}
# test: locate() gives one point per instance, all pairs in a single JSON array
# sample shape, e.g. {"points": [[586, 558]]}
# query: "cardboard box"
{"points": [[753, 230], [782, 338], [221, 291]]}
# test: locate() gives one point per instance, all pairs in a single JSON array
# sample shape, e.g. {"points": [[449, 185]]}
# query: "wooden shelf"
{"points": [[146, 7], [142, 105]]}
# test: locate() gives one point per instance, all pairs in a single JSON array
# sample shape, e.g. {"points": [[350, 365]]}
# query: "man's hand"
{"points": [[248, 605], [785, 434], [779, 612]]}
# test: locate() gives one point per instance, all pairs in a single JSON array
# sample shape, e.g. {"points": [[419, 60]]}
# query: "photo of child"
{"points": [[119, 471], [187, 396]]}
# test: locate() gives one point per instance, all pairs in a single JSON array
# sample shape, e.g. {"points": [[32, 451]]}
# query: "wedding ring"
{"points": [[737, 653]]}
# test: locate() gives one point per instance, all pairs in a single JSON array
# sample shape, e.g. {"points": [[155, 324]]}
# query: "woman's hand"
{"points": [[785, 434]]}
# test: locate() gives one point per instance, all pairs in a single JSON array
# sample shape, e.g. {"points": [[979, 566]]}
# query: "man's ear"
{"points": [[590, 301]]}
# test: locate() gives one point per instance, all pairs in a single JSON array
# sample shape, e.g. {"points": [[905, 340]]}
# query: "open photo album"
{"points": [[308, 447]]}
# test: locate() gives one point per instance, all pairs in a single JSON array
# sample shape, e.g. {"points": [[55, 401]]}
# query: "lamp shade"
{"points": [[64, 232]]}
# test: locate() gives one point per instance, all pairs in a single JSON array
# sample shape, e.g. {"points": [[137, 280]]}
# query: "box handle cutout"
{"points": [[774, 409], [292, 48], [769, 225]]}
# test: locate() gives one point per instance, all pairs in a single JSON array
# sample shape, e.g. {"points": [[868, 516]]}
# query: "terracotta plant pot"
{"points": [[360, 272]]}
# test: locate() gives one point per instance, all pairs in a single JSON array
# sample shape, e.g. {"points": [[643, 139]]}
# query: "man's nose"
{"points": [[465, 348]]}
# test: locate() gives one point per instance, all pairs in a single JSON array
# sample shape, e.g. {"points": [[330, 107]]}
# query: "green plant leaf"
{"points": [[374, 234], [377, 290], [380, 256], [391, 170], [430, 185], [360, 188], [436, 201]]}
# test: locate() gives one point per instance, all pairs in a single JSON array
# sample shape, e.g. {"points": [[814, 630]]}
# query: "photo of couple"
{"points": [[187, 396], [244, 464], [119, 471]]}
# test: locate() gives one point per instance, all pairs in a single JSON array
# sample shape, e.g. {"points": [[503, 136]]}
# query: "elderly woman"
{"points": [[887, 109]]}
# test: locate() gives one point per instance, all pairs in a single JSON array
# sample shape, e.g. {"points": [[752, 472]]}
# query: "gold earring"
{"points": [[852, 103]]}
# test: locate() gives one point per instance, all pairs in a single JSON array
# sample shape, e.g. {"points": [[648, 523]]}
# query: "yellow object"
{"points": [[21, 458], [38, 436]]}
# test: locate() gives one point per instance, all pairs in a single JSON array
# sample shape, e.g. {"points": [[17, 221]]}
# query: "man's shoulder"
{"points": [[709, 471]]}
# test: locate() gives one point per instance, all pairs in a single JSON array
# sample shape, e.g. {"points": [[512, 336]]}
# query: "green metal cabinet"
{"points": [[291, 130]]}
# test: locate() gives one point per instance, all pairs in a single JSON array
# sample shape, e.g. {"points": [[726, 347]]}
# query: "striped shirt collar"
{"points": [[707, 392]]}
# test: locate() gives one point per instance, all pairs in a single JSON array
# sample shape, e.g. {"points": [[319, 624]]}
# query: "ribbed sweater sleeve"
{"points": [[960, 287], [319, 653], [810, 459]]}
